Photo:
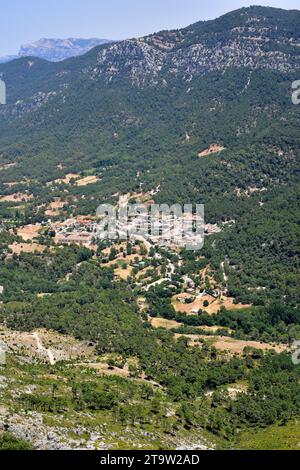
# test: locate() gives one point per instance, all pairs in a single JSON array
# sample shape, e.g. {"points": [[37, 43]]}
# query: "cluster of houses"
{"points": [[163, 229], [168, 229], [79, 231]]}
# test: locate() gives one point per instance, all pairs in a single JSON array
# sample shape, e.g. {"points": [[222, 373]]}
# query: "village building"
{"points": [[77, 238]]}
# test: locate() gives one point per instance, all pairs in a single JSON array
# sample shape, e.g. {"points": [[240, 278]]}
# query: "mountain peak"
{"points": [[56, 50]]}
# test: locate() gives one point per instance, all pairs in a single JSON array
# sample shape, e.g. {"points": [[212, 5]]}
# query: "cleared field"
{"points": [[104, 369], [54, 208], [166, 324], [172, 324], [214, 148], [17, 197], [123, 274], [233, 346], [120, 272], [214, 305], [29, 232], [18, 248], [67, 179], [224, 343], [87, 180]]}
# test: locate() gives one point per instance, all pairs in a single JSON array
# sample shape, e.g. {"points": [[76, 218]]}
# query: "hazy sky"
{"points": [[24, 21]]}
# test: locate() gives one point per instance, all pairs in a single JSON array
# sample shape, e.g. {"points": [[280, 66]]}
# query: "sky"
{"points": [[25, 21]]}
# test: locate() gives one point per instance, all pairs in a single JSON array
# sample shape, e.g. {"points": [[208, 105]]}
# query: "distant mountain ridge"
{"points": [[56, 50], [7, 58]]}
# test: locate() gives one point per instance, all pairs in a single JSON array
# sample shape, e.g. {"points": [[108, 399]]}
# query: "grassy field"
{"points": [[274, 438]]}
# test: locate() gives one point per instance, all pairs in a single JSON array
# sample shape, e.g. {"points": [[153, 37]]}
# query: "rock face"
{"points": [[133, 58], [30, 427], [253, 38], [59, 49]]}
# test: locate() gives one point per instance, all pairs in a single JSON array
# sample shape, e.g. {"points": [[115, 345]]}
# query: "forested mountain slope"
{"points": [[142, 110]]}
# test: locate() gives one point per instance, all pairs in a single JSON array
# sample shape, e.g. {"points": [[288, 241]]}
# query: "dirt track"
{"points": [[41, 348]]}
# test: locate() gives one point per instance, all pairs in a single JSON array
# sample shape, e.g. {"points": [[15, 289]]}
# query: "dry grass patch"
{"points": [[180, 305], [18, 248], [143, 198], [29, 232], [87, 180], [213, 329], [172, 324], [231, 345], [67, 179], [122, 273], [118, 247], [228, 303], [163, 323], [55, 207], [104, 369], [234, 346], [214, 305], [17, 197], [145, 273]]}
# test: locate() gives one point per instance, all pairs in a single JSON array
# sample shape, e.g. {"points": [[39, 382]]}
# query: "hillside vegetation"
{"points": [[196, 343]]}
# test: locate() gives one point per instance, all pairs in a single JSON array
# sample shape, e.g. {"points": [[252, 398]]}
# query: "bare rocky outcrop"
{"points": [[30, 427]]}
